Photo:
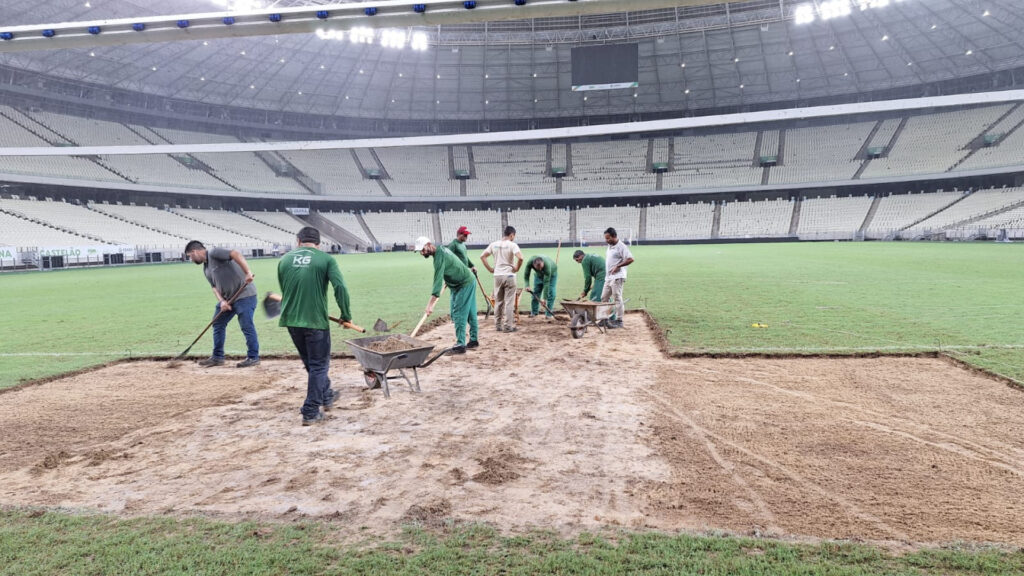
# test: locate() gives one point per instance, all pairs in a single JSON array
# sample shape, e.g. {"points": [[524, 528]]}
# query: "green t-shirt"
{"points": [[549, 271], [449, 269], [303, 275], [459, 249], [593, 271]]}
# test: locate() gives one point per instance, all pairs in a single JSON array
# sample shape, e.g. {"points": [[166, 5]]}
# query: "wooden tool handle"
{"points": [[416, 330], [348, 325]]}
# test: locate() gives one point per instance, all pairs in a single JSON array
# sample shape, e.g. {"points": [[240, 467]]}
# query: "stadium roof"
{"points": [[698, 57]]}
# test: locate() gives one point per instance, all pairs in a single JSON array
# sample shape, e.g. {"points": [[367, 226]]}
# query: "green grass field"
{"points": [[838, 298], [827, 298]]}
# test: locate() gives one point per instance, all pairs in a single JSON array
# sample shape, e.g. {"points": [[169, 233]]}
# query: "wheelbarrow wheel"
{"points": [[578, 326], [372, 380]]}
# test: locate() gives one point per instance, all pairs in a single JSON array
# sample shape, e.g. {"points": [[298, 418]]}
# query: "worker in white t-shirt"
{"points": [[616, 260], [507, 261]]}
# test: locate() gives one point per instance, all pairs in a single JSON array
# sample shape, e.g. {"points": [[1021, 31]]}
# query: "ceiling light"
{"points": [[741, 86], [885, 38], [88, 4], [92, 54], [419, 41], [683, 65], [735, 59], [202, 78], [934, 26], [487, 76], [534, 74], [534, 100], [986, 13], [438, 76], [242, 53], [790, 52], [910, 63], [322, 67], [360, 70], [487, 101], [252, 86], [346, 97], [585, 98], [687, 91], [205, 43], [281, 60], [797, 80], [834, 9], [300, 92], [832, 47], [437, 101], [845, 74], [969, 52], [361, 35], [153, 68], [393, 39], [804, 14]]}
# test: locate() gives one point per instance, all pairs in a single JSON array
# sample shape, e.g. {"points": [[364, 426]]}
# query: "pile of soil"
{"points": [[389, 344]]}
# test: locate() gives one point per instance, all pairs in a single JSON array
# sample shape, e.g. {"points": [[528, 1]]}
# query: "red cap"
{"points": [[463, 230]]}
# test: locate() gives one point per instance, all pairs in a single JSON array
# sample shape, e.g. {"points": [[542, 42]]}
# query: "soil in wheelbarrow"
{"points": [[390, 344]]}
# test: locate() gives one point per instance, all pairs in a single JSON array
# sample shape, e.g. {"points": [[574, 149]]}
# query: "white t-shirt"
{"points": [[504, 252], [617, 254]]}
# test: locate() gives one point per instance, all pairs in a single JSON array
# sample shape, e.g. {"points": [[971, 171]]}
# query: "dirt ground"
{"points": [[535, 429]]}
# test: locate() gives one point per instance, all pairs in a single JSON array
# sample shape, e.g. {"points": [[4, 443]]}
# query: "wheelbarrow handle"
{"points": [[431, 361], [392, 361]]}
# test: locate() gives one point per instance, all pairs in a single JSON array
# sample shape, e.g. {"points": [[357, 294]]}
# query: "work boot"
{"points": [[511, 329], [248, 362], [458, 350], [472, 344], [211, 362], [318, 419]]}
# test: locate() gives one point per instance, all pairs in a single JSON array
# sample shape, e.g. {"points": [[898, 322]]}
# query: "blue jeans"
{"points": [[244, 308], [314, 348]]}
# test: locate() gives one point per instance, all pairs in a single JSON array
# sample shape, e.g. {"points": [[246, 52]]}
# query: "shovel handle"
{"points": [[349, 325]]}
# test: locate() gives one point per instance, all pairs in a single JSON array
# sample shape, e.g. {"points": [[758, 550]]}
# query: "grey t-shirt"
{"points": [[225, 274]]}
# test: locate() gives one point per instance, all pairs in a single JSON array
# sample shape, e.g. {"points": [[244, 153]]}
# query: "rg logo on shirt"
{"points": [[301, 260]]}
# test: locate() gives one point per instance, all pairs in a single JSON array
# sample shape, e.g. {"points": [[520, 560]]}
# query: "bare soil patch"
{"points": [[535, 429]]}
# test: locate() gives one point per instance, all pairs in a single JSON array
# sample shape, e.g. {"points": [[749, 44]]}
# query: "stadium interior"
{"points": [[915, 171]]}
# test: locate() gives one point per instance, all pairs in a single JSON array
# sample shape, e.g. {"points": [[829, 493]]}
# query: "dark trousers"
{"points": [[244, 308], [314, 347]]}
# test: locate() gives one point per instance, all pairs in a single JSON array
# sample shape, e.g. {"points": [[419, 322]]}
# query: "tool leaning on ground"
{"points": [[490, 301], [272, 308], [230, 301], [542, 303], [419, 325]]}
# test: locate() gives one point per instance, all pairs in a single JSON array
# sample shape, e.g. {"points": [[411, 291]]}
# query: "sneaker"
{"points": [[331, 397], [472, 344], [511, 329], [458, 350], [318, 419], [248, 362], [211, 362]]}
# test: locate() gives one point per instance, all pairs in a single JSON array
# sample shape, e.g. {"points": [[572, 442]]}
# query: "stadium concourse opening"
{"points": [[578, 435]]}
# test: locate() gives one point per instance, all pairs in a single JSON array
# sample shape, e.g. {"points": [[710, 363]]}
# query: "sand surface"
{"points": [[535, 429]]}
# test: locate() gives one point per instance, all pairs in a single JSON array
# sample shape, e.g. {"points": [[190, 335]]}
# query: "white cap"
{"points": [[421, 242]]}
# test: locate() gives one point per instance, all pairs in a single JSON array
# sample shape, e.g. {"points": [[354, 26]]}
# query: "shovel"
{"points": [[272, 308]]}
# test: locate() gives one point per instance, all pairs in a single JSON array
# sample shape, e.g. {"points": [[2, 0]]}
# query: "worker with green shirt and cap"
{"points": [[448, 269], [593, 274], [303, 275], [544, 283], [458, 247]]}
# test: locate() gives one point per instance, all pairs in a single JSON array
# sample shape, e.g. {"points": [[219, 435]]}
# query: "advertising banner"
{"points": [[9, 256]]}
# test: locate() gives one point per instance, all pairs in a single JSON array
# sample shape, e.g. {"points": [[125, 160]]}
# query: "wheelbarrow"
{"points": [[377, 365], [584, 313]]}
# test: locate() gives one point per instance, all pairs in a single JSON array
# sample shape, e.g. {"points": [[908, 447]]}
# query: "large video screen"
{"points": [[605, 67]]}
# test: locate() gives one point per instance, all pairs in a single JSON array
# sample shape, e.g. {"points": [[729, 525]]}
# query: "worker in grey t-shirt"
{"points": [[228, 272], [616, 260]]}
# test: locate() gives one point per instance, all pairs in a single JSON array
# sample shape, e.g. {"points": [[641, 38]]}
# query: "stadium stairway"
{"points": [[21, 216], [435, 219], [933, 213], [283, 168], [863, 152], [716, 223], [329, 228], [366, 229], [978, 142], [54, 138], [219, 227], [133, 222], [983, 216], [870, 216], [642, 232], [794, 221]]}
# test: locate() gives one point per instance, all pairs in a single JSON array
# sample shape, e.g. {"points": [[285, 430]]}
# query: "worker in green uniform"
{"points": [[303, 275], [458, 247], [593, 274], [448, 269], [544, 283]]}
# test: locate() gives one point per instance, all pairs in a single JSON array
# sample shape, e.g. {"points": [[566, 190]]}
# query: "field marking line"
{"points": [[807, 484], [839, 349], [723, 463], [960, 445]]}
